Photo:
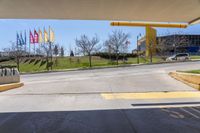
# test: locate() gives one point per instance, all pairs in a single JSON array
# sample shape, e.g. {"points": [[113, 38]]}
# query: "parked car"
{"points": [[179, 57]]}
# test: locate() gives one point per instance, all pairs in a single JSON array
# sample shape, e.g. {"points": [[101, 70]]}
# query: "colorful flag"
{"points": [[46, 38], [40, 36], [25, 38], [52, 35], [22, 39], [36, 37], [31, 38], [18, 39]]}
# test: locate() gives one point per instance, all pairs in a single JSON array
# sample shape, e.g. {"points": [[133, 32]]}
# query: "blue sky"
{"points": [[66, 31]]}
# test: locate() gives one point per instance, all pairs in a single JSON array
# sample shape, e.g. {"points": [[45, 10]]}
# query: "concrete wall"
{"points": [[8, 75]]}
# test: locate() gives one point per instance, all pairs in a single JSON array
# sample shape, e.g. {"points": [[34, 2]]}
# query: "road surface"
{"points": [[76, 102]]}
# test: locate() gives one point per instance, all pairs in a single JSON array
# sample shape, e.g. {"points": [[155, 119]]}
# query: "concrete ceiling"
{"points": [[127, 10]]}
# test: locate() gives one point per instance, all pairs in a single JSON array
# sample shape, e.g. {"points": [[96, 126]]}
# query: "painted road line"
{"points": [[195, 110], [190, 113], [151, 95]]}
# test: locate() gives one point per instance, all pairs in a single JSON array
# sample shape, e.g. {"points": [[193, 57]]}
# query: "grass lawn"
{"points": [[38, 64], [194, 71], [195, 57]]}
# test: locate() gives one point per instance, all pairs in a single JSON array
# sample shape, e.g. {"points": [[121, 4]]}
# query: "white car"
{"points": [[179, 57]]}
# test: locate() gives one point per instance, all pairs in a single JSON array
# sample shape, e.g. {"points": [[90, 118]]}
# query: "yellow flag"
{"points": [[40, 36], [52, 35], [46, 38]]}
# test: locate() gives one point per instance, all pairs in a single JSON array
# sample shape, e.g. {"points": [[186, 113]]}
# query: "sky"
{"points": [[66, 31]]}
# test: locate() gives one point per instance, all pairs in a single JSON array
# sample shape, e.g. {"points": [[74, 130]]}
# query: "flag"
{"points": [[52, 35], [31, 38], [36, 37], [40, 36], [18, 39], [46, 38], [22, 39], [25, 38]]}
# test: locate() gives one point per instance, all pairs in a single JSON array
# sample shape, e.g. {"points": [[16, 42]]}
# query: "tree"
{"points": [[62, 52], [87, 46], [46, 49], [166, 44], [17, 52], [71, 53], [108, 49], [124, 50], [56, 50], [117, 42]]}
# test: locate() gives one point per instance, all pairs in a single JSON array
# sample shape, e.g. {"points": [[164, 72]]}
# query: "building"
{"points": [[171, 44]]}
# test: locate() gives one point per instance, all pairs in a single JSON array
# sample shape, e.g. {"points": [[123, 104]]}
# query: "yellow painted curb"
{"points": [[151, 95], [10, 86], [192, 80]]}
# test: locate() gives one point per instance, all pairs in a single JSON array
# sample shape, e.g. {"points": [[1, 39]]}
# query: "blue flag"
{"points": [[22, 39], [18, 40]]}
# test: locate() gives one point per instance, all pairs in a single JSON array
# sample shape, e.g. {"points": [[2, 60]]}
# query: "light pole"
{"points": [[138, 57]]}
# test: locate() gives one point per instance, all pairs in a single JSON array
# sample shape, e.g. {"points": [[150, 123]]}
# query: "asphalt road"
{"points": [[71, 102]]}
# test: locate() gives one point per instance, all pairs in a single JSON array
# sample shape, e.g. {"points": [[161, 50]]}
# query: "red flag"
{"points": [[31, 38], [36, 37]]}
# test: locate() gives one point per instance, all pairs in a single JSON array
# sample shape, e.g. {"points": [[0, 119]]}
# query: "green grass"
{"points": [[195, 57], [193, 71], [33, 65]]}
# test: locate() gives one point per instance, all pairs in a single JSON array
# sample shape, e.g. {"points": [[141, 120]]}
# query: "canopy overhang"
{"points": [[180, 11]]}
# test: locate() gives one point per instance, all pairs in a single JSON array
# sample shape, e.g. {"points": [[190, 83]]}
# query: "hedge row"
{"points": [[113, 55]]}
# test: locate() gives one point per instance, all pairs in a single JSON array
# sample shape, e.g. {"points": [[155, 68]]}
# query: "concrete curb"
{"points": [[6, 87], [105, 67], [192, 80]]}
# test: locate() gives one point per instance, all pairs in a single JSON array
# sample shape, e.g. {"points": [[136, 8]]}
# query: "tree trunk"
{"points": [[18, 64], [151, 56], [117, 58], [90, 60], [47, 60]]}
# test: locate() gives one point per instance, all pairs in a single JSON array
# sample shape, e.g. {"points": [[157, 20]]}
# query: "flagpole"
{"points": [[50, 47], [39, 39], [29, 44], [25, 42], [34, 41]]}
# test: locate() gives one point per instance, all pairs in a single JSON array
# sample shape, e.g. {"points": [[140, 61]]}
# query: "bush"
{"points": [[113, 55], [3, 59]]}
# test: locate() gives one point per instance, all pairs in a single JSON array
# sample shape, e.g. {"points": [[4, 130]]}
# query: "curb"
{"points": [[192, 80], [105, 67], [6, 87]]}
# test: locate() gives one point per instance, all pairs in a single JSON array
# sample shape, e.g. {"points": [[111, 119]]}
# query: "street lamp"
{"points": [[138, 57]]}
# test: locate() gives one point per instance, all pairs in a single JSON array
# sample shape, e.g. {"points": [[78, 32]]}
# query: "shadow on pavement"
{"points": [[165, 120]]}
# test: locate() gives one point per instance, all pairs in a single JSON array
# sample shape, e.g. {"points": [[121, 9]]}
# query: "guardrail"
{"points": [[9, 74]]}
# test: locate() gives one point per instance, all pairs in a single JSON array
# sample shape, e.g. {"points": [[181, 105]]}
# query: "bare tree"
{"points": [[87, 46], [168, 43], [117, 41], [124, 50], [62, 51], [17, 52], [108, 49], [46, 49], [56, 52]]}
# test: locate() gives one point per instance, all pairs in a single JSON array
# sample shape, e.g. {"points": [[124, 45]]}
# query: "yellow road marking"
{"points": [[150, 95]]}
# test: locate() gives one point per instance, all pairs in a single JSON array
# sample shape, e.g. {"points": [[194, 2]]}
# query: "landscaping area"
{"points": [[60, 63], [38, 64], [194, 71]]}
